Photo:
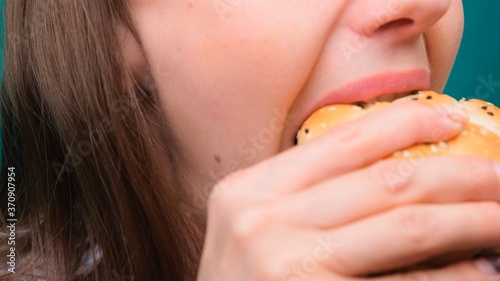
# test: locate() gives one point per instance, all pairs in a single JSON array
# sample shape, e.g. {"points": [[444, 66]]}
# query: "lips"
{"points": [[385, 84], [384, 87]]}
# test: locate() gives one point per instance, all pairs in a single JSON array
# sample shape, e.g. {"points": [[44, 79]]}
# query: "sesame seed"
{"points": [[443, 144], [434, 148], [484, 107], [323, 125], [491, 113], [429, 97], [332, 108], [307, 131], [406, 154]]}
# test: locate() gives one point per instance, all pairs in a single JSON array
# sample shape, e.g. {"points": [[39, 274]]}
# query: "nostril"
{"points": [[395, 24]]}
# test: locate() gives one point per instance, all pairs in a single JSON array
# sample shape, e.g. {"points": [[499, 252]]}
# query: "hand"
{"points": [[332, 210]]}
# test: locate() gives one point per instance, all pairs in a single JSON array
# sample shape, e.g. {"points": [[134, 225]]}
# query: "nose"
{"points": [[398, 19]]}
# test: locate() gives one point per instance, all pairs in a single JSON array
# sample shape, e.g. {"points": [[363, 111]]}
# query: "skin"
{"points": [[233, 82], [190, 50]]}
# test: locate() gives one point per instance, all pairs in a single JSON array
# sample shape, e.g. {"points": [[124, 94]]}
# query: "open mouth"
{"points": [[380, 88], [386, 98], [321, 120]]}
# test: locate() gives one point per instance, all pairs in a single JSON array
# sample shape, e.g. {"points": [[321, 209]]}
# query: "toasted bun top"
{"points": [[480, 137]]}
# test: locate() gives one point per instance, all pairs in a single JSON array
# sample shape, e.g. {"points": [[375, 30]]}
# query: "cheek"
{"points": [[234, 68], [443, 42], [215, 54]]}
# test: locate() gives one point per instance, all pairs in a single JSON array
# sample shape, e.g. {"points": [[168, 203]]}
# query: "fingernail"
{"points": [[489, 265], [457, 115]]}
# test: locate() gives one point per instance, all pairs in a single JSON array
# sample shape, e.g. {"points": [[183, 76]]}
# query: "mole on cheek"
{"points": [[217, 158]]}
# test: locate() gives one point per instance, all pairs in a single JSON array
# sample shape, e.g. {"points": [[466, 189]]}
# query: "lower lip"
{"points": [[387, 83]]}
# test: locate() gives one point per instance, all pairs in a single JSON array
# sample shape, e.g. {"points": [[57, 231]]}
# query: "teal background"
{"points": [[479, 56]]}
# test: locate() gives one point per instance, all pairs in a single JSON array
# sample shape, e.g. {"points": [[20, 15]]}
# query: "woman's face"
{"points": [[237, 77]]}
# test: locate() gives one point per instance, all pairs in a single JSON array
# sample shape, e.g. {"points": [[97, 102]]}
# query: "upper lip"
{"points": [[371, 87]]}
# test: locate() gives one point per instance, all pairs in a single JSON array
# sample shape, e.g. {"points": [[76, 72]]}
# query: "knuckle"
{"points": [[351, 133], [421, 122], [248, 224], [222, 198], [275, 268], [490, 219], [351, 136], [479, 172], [337, 263], [392, 176], [415, 224], [413, 112]]}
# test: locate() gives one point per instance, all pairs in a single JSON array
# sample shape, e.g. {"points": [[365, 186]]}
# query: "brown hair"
{"points": [[95, 181]]}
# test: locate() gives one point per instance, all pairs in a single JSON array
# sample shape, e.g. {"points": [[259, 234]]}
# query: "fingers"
{"points": [[357, 144], [389, 184], [411, 234], [480, 270]]}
